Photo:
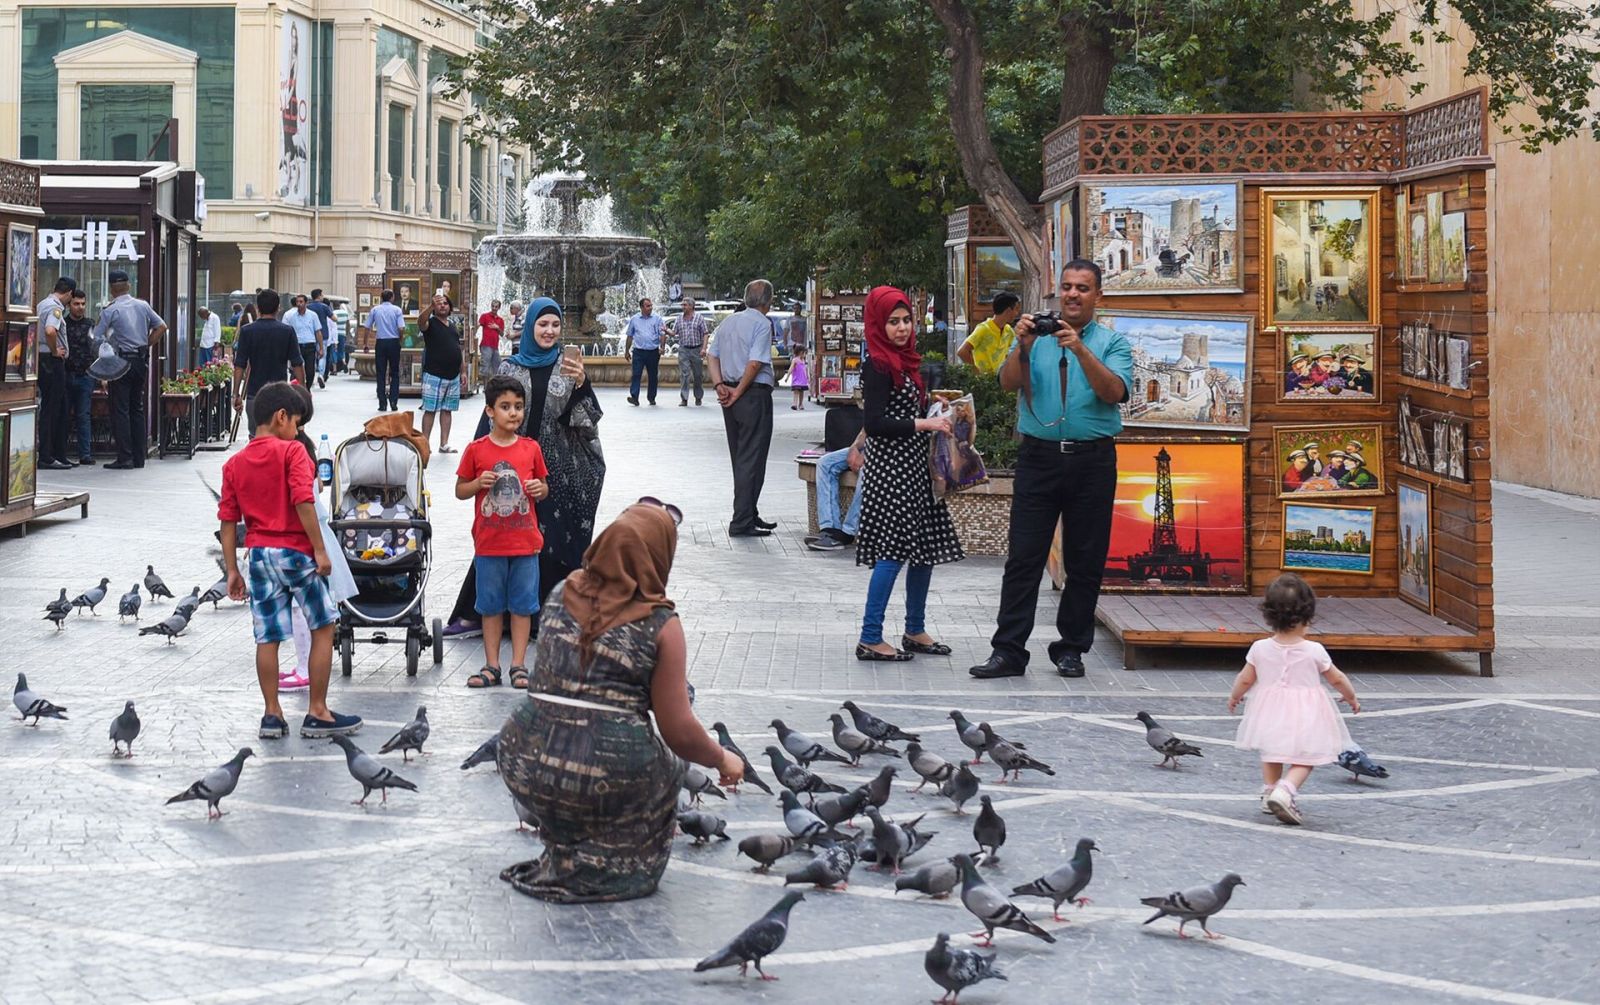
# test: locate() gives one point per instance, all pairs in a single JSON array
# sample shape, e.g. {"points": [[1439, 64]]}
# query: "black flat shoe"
{"points": [[873, 656], [911, 645], [765, 524], [995, 667], [752, 532]]}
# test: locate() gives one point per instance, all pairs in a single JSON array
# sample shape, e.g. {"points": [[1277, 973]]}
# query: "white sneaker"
{"points": [[1264, 807], [1282, 806]]}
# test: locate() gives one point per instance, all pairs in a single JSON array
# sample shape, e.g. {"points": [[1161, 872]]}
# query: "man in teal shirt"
{"points": [[1072, 382]]}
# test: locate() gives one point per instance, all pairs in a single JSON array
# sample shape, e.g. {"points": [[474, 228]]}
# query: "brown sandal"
{"points": [[519, 677], [487, 677]]}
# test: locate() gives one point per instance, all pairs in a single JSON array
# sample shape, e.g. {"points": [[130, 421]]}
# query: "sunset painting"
{"points": [[1178, 523]]}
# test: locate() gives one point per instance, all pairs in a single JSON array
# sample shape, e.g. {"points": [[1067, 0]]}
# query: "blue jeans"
{"points": [[80, 391], [205, 356], [883, 576], [830, 468]]}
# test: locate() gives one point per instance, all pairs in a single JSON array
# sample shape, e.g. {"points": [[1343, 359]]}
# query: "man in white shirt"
{"points": [[210, 335]]}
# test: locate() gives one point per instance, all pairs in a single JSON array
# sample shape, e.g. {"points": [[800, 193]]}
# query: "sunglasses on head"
{"points": [[672, 511]]}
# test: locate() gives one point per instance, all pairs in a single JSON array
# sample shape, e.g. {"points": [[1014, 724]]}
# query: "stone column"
{"points": [[354, 103], [255, 265], [346, 263], [11, 81], [419, 133]]}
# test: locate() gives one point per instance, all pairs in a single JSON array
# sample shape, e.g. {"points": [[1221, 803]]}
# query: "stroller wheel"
{"points": [[347, 650], [438, 642], [413, 654]]}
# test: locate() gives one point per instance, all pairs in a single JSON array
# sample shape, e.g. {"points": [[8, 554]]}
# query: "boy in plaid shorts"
{"points": [[270, 485]]}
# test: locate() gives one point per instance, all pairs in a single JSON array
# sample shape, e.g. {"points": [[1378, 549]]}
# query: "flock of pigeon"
{"points": [[128, 604]]}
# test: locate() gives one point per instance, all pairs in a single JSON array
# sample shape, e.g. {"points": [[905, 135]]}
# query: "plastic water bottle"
{"points": [[325, 461]]}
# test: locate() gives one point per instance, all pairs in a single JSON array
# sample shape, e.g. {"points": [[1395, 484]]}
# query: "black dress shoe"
{"points": [[86, 462], [120, 466], [633, 400], [996, 666], [751, 532], [1070, 665], [765, 524]]}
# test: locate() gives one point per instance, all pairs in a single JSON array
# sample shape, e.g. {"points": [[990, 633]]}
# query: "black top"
{"points": [[875, 390], [441, 349], [270, 349], [81, 349]]}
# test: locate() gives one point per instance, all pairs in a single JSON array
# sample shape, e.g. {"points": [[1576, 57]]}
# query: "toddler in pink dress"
{"points": [[1290, 717]]}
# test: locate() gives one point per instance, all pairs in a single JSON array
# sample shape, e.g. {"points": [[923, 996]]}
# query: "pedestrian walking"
{"points": [[741, 372], [238, 312], [691, 331], [491, 327], [441, 370], [54, 407], [798, 381], [902, 522], [267, 351], [642, 344], [318, 305], [386, 320], [310, 332], [1290, 718], [81, 352], [210, 335], [132, 327]]}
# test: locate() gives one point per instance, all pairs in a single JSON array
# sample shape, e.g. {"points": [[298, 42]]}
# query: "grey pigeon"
{"points": [[699, 783], [215, 593], [189, 604], [1356, 761], [218, 782], [56, 618], [889, 841], [878, 729], [171, 627], [930, 767], [1164, 743], [840, 809], [882, 785], [128, 604], [802, 823], [91, 597], [802, 747], [1197, 904], [962, 786], [758, 941], [767, 849], [1009, 757], [365, 769], [970, 735], [955, 970], [1066, 883], [749, 769], [855, 743], [32, 706], [411, 736], [936, 879], [124, 730], [829, 870], [486, 753], [989, 830], [61, 604], [991, 907], [526, 820], [153, 583], [703, 826], [795, 778]]}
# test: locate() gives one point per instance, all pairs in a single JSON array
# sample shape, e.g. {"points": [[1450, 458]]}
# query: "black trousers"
{"points": [[129, 427], [645, 361], [748, 423], [386, 355], [54, 409], [1079, 490]]}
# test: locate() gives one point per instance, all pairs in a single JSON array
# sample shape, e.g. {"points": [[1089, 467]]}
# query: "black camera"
{"points": [[1046, 323]]}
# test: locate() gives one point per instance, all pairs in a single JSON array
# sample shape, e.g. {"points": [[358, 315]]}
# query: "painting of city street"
{"points": [[1328, 364], [1328, 538], [1416, 545], [1320, 250], [1335, 458], [1164, 237], [1178, 523], [1190, 371]]}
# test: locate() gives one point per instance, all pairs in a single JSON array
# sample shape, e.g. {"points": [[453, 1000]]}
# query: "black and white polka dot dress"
{"points": [[900, 519]]}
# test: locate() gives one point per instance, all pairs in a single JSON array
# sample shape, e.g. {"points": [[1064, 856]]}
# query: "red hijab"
{"points": [[890, 359]]}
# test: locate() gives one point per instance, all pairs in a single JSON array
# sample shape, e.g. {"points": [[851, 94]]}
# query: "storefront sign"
{"points": [[96, 242]]}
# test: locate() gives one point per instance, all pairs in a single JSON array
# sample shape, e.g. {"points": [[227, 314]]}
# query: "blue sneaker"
{"points": [[320, 729], [272, 728]]}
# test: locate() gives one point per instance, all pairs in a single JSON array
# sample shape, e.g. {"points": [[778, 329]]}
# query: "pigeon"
{"points": [[153, 583], [855, 743], [919, 838], [891, 843], [699, 783], [365, 769], [991, 907], [970, 735], [1197, 904], [172, 627], [840, 809], [962, 786], [526, 820], [1164, 743], [795, 778], [803, 748], [1007, 755], [55, 617], [881, 786], [216, 593], [955, 970], [936, 879], [61, 604], [703, 826], [91, 597], [829, 870], [33, 706], [1064, 884], [758, 941], [486, 753], [875, 727], [124, 729], [128, 604], [989, 830], [930, 767], [411, 736], [767, 849], [802, 823], [1356, 761], [189, 604], [749, 769], [218, 782]]}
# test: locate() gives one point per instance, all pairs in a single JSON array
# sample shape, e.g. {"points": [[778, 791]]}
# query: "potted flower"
{"points": [[180, 412]]}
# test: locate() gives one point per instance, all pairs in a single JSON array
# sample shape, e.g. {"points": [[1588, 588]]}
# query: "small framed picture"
{"points": [[1441, 445], [22, 459], [853, 348], [1335, 539], [855, 330], [832, 344], [408, 294], [1323, 365], [832, 366], [1334, 458], [363, 300], [830, 385], [19, 268], [30, 351], [830, 312], [1416, 543], [1456, 452], [1457, 351], [362, 321], [852, 383], [852, 363], [16, 340]]}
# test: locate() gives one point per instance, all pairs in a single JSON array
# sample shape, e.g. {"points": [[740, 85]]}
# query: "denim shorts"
{"points": [[280, 579], [507, 584], [439, 393]]}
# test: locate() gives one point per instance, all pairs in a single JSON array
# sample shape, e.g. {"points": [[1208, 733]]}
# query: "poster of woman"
{"points": [[294, 83]]}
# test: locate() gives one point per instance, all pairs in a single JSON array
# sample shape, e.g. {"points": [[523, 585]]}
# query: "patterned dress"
{"points": [[602, 783], [900, 519]]}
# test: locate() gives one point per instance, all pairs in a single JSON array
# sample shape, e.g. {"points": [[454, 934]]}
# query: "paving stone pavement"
{"points": [[1472, 873]]}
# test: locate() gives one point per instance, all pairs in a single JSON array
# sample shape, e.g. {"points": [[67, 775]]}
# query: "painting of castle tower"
{"points": [[1160, 237], [1190, 371]]}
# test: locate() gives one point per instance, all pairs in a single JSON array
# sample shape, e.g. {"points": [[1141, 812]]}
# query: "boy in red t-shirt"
{"points": [[270, 485], [506, 475]]}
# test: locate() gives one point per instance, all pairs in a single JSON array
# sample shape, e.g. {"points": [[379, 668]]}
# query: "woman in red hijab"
{"points": [[902, 523]]}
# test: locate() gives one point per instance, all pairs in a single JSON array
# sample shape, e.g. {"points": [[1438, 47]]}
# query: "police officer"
{"points": [[132, 327]]}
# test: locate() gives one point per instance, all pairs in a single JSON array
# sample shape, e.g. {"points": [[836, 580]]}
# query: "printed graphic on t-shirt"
{"points": [[506, 500]]}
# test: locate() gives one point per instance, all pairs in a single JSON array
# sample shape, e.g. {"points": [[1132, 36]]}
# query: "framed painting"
{"points": [[830, 385], [1320, 255], [830, 312], [1401, 231], [1416, 260], [1063, 231], [363, 300], [1434, 209], [830, 344], [30, 351], [448, 283], [1328, 538], [1324, 365], [1456, 366], [1190, 371], [19, 268], [1413, 437], [1416, 543], [1170, 236], [1453, 247], [852, 383], [22, 457], [832, 366], [16, 360], [1178, 524], [1338, 458], [995, 270], [5, 423], [408, 294]]}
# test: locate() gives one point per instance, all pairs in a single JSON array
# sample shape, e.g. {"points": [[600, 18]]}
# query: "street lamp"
{"points": [[508, 171]]}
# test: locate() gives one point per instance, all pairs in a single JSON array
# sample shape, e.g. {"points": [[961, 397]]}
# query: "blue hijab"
{"points": [[528, 352]]}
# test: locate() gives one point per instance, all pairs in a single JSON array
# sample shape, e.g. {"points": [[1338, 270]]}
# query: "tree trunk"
{"points": [[1090, 60], [979, 161]]}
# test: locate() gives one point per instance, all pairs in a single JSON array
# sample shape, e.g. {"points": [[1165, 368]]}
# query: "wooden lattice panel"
{"points": [[1448, 130], [442, 261], [955, 227], [1241, 144], [19, 184], [373, 279], [1060, 159]]}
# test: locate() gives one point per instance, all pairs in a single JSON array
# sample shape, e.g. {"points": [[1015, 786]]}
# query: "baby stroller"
{"points": [[380, 516]]}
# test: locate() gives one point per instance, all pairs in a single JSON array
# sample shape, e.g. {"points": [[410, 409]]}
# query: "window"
{"points": [[475, 184], [322, 114], [444, 153], [397, 157], [120, 122]]}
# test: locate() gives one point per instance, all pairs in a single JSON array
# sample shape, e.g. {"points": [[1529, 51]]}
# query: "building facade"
{"points": [[321, 127]]}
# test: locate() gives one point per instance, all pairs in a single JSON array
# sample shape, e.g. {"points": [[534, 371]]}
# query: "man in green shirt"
{"points": [[1072, 382]]}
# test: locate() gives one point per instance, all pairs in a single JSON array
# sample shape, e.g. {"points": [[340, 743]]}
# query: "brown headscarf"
{"points": [[624, 574]]}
